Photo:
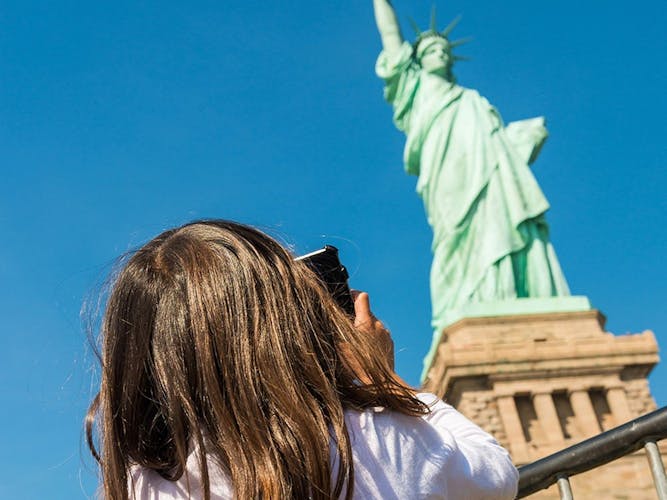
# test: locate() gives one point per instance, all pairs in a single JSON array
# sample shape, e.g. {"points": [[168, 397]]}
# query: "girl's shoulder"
{"points": [[438, 455]]}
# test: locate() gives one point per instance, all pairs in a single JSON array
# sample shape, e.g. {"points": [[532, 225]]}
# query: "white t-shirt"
{"points": [[442, 455]]}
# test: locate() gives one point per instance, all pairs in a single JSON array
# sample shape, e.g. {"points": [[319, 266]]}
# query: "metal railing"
{"points": [[643, 432]]}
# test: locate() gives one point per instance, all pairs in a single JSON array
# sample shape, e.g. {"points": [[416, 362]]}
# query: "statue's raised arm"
{"points": [[390, 31]]}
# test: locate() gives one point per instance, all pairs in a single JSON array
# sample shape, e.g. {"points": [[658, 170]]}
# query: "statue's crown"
{"points": [[433, 32]]}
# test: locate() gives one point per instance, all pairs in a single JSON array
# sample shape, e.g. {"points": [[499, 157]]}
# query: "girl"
{"points": [[229, 372]]}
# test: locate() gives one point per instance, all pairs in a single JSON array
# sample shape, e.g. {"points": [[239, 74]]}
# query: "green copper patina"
{"points": [[490, 239]]}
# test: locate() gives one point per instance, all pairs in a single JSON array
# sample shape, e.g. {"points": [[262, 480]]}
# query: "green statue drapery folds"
{"points": [[490, 238]]}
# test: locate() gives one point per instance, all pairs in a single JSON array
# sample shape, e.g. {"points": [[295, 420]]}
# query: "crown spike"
{"points": [[460, 41], [434, 22], [460, 58], [445, 33], [415, 26]]}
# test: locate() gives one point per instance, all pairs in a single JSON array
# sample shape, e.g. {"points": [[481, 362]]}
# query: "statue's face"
{"points": [[434, 56]]}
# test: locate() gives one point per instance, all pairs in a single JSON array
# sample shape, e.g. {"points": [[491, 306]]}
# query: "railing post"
{"points": [[565, 489], [657, 469]]}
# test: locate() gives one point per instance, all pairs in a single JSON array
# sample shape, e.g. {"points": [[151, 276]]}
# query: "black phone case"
{"points": [[327, 266]]}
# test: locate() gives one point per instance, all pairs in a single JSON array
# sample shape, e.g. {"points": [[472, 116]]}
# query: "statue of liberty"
{"points": [[490, 238]]}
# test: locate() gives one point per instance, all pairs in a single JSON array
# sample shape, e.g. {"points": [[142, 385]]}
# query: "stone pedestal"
{"points": [[542, 382]]}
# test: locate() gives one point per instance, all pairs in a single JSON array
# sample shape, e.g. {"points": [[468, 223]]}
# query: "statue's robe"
{"points": [[490, 240]]}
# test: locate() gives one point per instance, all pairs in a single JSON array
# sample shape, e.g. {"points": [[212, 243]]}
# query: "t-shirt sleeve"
{"points": [[475, 466], [401, 81]]}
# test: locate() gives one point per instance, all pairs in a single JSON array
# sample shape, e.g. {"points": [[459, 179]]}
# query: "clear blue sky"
{"points": [[120, 119]]}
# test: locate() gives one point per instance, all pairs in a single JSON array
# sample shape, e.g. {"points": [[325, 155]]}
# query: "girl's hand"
{"points": [[367, 323]]}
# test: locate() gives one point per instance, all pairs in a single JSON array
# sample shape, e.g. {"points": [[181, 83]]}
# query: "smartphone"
{"points": [[325, 263]]}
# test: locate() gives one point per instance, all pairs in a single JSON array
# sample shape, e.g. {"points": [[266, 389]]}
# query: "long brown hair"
{"points": [[214, 339]]}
